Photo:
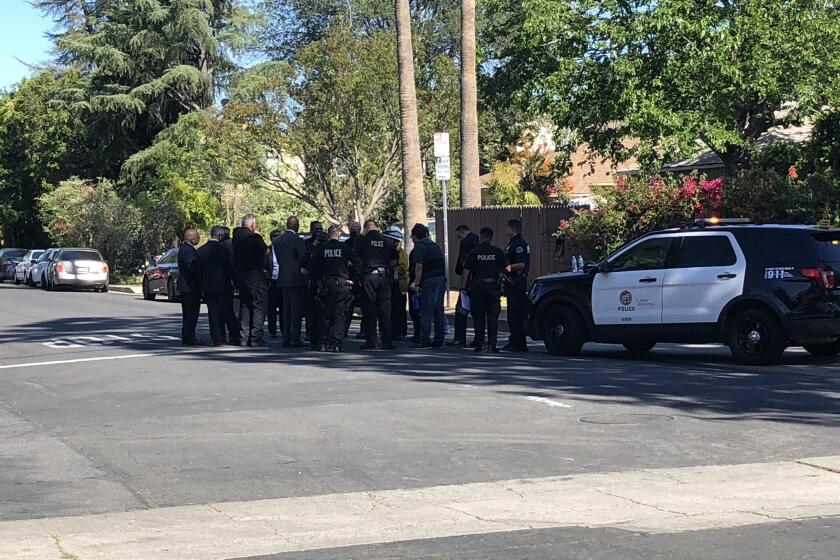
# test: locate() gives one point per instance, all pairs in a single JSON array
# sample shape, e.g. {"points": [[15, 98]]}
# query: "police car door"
{"points": [[705, 273], [630, 291]]}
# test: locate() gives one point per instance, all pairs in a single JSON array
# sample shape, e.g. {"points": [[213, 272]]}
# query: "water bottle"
{"points": [[574, 264]]}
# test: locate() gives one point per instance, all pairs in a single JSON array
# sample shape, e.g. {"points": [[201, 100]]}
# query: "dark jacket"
{"points": [[215, 268], [290, 250], [248, 250], [468, 243], [189, 270], [227, 245]]}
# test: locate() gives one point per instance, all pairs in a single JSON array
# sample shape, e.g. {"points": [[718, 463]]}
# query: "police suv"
{"points": [[756, 288]]}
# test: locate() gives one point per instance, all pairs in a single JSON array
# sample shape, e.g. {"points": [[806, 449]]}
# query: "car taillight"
{"points": [[105, 268], [59, 267], [825, 277]]}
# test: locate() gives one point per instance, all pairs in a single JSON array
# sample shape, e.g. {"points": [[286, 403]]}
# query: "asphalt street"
{"points": [[102, 411]]}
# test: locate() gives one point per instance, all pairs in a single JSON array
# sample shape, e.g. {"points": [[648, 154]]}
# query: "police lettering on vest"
{"points": [[486, 264], [377, 251]]}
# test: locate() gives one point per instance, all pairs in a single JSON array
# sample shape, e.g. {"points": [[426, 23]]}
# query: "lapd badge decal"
{"points": [[625, 297]]}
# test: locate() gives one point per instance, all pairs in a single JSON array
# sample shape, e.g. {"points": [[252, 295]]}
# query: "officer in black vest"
{"points": [[483, 270], [379, 256], [519, 256], [332, 267]]}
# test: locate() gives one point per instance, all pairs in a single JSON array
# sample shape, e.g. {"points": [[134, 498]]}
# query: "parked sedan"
{"points": [[161, 277], [38, 273], [9, 259], [78, 268], [25, 266]]}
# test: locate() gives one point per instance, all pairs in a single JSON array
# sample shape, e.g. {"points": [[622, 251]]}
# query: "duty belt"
{"points": [[377, 270], [487, 281]]}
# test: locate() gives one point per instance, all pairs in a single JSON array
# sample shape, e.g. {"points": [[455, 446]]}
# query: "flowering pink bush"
{"points": [[637, 205]]}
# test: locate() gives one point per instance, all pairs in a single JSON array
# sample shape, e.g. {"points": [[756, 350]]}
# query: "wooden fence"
{"points": [[539, 224]]}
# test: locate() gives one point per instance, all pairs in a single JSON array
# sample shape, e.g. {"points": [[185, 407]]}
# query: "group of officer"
{"points": [[322, 278]]}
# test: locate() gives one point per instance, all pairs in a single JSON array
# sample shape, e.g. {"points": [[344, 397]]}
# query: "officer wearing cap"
{"points": [[399, 287], [378, 254], [332, 267], [519, 256], [483, 270]]}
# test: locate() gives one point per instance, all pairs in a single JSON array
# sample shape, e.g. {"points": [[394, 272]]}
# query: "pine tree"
{"points": [[148, 61]]}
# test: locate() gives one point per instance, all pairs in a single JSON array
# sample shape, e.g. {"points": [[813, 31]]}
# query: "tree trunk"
{"points": [[735, 158], [414, 196], [470, 184]]}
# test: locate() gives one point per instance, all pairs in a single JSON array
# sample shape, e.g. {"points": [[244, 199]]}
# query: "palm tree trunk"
{"points": [[414, 196], [470, 184]]}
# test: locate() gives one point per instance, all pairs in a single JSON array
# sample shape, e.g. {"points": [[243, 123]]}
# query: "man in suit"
{"points": [[291, 250], [316, 233], [230, 322], [189, 286], [249, 251], [275, 292], [355, 233], [469, 241], [216, 275]]}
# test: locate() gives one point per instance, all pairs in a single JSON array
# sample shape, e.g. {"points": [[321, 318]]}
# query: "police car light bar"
{"points": [[702, 222]]}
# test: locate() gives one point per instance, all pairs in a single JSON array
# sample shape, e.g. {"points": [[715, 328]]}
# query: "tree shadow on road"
{"points": [[803, 390]]}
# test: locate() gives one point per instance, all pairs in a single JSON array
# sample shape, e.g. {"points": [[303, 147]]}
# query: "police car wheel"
{"points": [[639, 347], [563, 331], [755, 337], [827, 349], [148, 295]]}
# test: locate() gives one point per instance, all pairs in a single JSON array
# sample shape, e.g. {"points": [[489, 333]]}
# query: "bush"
{"points": [[92, 214]]}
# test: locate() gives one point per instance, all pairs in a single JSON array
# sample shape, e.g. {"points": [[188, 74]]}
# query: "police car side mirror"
{"points": [[604, 267], [589, 266]]}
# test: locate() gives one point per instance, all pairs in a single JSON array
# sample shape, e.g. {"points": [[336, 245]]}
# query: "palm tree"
{"points": [[414, 196], [470, 185]]}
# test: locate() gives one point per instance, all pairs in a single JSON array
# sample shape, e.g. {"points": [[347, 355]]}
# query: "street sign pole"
{"points": [[444, 187], [442, 173]]}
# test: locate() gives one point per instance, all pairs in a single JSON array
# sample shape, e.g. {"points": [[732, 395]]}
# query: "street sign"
{"points": [[443, 169], [441, 145]]}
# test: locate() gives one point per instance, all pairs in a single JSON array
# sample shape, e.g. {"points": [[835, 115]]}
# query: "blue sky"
{"points": [[22, 29]]}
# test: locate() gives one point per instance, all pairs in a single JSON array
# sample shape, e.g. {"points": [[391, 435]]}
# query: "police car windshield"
{"points": [[828, 246]]}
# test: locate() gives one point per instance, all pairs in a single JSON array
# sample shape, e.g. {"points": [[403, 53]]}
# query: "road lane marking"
{"points": [[549, 402], [652, 500], [75, 361]]}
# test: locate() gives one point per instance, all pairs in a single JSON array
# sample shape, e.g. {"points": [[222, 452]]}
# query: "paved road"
{"points": [[101, 411]]}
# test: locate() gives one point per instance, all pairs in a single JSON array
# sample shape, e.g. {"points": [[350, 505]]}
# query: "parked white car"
{"points": [[78, 268], [25, 266]]}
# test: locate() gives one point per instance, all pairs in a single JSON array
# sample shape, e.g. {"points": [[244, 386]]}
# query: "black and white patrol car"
{"points": [[756, 288]]}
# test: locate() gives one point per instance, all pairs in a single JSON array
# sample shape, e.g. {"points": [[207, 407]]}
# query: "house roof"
{"points": [[707, 159]]}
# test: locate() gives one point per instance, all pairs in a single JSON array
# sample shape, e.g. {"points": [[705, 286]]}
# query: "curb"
{"points": [[126, 289]]}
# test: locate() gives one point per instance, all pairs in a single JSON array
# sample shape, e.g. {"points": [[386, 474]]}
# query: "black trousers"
{"points": [[486, 305], [356, 298], [399, 314], [275, 307], [292, 313], [215, 314], [377, 302], [461, 322], [312, 312], [334, 298], [253, 291], [190, 309], [230, 322], [517, 300]]}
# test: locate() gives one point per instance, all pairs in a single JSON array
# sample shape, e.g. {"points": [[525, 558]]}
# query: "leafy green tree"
{"points": [[41, 143], [148, 62], [668, 71], [92, 214], [329, 121]]}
